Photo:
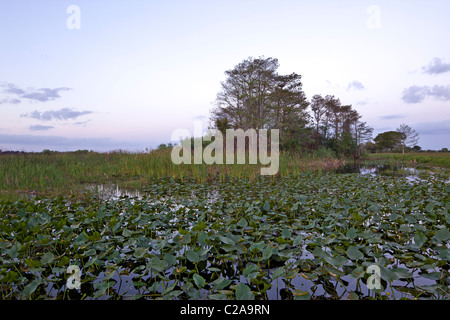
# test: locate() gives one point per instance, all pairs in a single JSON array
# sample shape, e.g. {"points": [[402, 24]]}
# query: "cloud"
{"points": [[40, 94], [39, 127], [44, 94], [62, 114], [416, 94], [362, 102], [392, 116], [440, 92], [355, 85], [436, 66], [11, 101], [12, 88]]}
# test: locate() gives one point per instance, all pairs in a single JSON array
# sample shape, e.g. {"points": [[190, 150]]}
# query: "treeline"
{"points": [[254, 95]]}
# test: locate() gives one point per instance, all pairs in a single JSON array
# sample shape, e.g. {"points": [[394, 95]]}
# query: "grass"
{"points": [[436, 159], [55, 174]]}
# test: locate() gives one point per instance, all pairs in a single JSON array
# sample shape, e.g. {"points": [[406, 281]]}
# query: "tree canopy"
{"points": [[255, 96]]}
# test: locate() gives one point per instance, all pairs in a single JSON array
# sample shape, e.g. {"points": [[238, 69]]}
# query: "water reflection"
{"points": [[410, 173], [112, 191]]}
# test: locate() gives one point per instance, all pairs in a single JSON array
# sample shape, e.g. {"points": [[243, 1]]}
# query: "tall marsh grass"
{"points": [[437, 159], [66, 173]]}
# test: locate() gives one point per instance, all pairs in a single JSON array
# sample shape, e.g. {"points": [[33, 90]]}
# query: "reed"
{"points": [[67, 173], [436, 159]]}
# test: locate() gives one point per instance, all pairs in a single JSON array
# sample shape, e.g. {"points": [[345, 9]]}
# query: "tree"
{"points": [[288, 110], [244, 98], [370, 146], [409, 136], [363, 133], [388, 140], [318, 108], [255, 96]]}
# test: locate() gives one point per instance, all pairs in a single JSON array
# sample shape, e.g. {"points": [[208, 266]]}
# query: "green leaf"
{"points": [[298, 240], [354, 254], [170, 259], [387, 274], [267, 253], [402, 273], [32, 223], [217, 296], [266, 206], [243, 292], [286, 233], [64, 261], [47, 258], [90, 262], [90, 252], [31, 287], [258, 245], [192, 256], [202, 237], [419, 239], [221, 283], [351, 233], [14, 250], [301, 295], [81, 239], [444, 254], [157, 264], [242, 223], [199, 280], [140, 252], [278, 273], [358, 272], [199, 226], [249, 270], [442, 235], [32, 263], [126, 233], [227, 240], [353, 296]]}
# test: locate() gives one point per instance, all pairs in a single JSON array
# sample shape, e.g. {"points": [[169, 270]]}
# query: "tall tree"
{"points": [[388, 140], [288, 108], [409, 136], [363, 134], [255, 96], [244, 97], [318, 107]]}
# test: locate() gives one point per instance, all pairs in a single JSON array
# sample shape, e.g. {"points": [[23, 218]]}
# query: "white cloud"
{"points": [[436, 66], [417, 94], [62, 114]]}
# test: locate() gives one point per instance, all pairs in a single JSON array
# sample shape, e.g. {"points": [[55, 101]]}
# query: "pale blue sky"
{"points": [[137, 70]]}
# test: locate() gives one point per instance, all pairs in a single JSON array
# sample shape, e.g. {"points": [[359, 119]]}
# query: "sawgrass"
{"points": [[68, 173]]}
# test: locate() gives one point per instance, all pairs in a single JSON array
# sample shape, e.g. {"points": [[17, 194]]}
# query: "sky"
{"points": [[107, 75]]}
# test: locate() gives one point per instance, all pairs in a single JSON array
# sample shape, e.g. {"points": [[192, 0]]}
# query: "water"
{"points": [[411, 173], [281, 285], [112, 191]]}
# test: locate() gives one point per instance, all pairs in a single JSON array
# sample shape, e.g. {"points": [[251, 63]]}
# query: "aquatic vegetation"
{"points": [[61, 174], [309, 236]]}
